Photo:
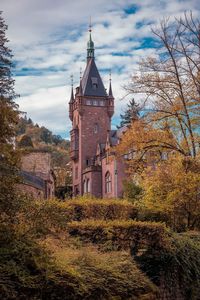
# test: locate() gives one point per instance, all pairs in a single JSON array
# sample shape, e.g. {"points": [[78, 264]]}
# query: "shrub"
{"points": [[121, 234], [28, 271], [176, 268], [53, 215]]}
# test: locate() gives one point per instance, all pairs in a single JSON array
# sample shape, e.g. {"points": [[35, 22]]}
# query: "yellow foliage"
{"points": [[173, 187]]}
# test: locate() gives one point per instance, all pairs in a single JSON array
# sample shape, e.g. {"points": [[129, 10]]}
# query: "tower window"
{"points": [[101, 103], [86, 186], [89, 102], [94, 82], [108, 182], [96, 128]]}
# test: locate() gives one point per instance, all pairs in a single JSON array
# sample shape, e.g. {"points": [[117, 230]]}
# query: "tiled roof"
{"points": [[91, 82]]}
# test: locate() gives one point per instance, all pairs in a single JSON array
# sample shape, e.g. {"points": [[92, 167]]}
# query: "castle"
{"points": [[95, 168]]}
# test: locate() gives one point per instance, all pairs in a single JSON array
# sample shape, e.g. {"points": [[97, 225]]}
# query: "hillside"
{"points": [[31, 136]]}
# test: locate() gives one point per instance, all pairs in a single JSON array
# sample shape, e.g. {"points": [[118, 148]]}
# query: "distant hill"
{"points": [[31, 136]]}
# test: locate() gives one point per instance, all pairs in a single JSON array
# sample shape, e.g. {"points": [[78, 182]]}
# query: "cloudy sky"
{"points": [[49, 37]]}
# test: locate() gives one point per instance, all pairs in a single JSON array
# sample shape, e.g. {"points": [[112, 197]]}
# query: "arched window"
{"points": [[108, 183], [88, 186], [84, 186]]}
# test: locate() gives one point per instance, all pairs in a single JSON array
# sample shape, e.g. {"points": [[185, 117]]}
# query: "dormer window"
{"points": [[94, 83]]}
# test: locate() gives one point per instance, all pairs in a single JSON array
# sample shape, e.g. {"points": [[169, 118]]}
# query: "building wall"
{"points": [[38, 164], [94, 175], [116, 169], [86, 122], [31, 191]]}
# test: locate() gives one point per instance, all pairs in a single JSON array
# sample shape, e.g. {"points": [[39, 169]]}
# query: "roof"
{"points": [[113, 137], [32, 180], [91, 82]]}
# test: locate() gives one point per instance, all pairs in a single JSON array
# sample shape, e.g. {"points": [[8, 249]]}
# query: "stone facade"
{"points": [[38, 178], [95, 169]]}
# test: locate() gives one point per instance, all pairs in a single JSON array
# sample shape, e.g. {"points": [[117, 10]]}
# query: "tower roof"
{"points": [[92, 84], [72, 96]]}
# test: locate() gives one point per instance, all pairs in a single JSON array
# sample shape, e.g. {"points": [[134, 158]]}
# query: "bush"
{"points": [[176, 268], [29, 271], [121, 234], [53, 215]]}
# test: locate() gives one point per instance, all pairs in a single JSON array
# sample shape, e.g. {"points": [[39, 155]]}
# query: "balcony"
{"points": [[74, 154]]}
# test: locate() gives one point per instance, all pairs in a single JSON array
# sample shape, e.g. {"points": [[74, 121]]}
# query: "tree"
{"points": [[25, 142], [131, 113], [173, 188], [166, 139], [170, 85], [9, 117], [46, 135]]}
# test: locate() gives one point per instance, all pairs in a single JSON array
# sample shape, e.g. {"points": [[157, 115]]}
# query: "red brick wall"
{"points": [[88, 139], [116, 169], [31, 191]]}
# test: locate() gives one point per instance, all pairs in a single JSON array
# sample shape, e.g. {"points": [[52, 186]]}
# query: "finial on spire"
{"points": [[72, 92], [90, 44], [110, 75], [72, 80], [110, 94], [90, 25], [80, 73]]}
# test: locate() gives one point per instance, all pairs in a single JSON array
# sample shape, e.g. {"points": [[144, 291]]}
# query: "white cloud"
{"points": [[49, 38]]}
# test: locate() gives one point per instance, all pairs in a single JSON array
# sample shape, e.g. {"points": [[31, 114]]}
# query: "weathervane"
{"points": [[72, 80]]}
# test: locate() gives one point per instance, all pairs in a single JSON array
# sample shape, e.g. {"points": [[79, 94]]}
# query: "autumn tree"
{"points": [[168, 135], [8, 119], [173, 188], [169, 83]]}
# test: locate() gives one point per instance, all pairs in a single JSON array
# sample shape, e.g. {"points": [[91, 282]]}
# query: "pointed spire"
{"points": [[80, 93], [90, 44], [110, 94], [72, 92]]}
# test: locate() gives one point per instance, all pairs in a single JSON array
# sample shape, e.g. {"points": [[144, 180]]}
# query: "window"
{"points": [[86, 186], [108, 182], [95, 103], [96, 128], [87, 162], [88, 102], [94, 83], [101, 103]]}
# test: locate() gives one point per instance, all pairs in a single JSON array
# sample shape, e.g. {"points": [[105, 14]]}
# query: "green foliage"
{"points": [[131, 113], [131, 190], [53, 215], [9, 115], [176, 268]]}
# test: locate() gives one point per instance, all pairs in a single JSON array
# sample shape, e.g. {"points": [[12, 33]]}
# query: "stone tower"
{"points": [[90, 111]]}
